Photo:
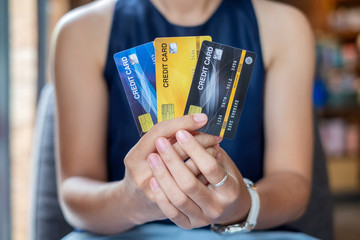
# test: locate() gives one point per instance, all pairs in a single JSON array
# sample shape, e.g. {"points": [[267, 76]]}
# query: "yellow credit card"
{"points": [[175, 66]]}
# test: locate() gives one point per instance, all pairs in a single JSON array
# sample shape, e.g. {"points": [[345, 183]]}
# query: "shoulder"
{"points": [[85, 27], [280, 17], [81, 17], [281, 27]]}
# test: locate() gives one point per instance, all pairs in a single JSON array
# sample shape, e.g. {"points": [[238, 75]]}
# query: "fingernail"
{"points": [[182, 136], [161, 144], [154, 161], [217, 147], [200, 118], [154, 185], [218, 139]]}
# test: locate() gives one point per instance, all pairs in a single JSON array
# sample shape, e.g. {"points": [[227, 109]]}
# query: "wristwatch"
{"points": [[251, 220]]}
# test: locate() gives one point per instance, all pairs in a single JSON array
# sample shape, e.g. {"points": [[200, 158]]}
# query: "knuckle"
{"points": [[157, 128], [174, 216], [210, 140], [184, 122], [181, 201], [206, 140], [211, 169], [212, 151], [187, 121], [128, 160], [190, 187]]}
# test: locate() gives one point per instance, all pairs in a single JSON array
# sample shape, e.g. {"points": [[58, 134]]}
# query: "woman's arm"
{"points": [[78, 58], [285, 188], [88, 201], [288, 49]]}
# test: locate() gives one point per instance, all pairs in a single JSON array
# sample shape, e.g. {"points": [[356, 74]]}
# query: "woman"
{"points": [[110, 181]]}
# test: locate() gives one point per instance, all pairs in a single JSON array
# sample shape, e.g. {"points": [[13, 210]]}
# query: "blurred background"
{"points": [[25, 32]]}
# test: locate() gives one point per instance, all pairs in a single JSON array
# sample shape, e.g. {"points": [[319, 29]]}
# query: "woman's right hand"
{"points": [[138, 173]]}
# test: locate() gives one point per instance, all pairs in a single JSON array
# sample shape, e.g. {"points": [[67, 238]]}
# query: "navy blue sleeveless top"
{"points": [[234, 23]]}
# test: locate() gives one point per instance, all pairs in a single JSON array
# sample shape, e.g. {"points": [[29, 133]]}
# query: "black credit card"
{"points": [[219, 87]]}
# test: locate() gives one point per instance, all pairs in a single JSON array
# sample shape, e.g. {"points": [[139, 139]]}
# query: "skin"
{"points": [[154, 186]]}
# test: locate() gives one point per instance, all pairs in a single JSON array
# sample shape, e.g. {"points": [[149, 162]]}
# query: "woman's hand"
{"points": [[183, 198], [138, 173]]}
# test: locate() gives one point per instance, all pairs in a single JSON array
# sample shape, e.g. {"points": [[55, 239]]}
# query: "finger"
{"points": [[168, 185], [205, 140], [207, 164], [213, 151], [183, 177], [168, 129], [169, 210], [173, 139], [192, 167], [202, 179], [228, 164]]}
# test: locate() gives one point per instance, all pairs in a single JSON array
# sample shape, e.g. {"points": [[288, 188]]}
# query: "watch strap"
{"points": [[255, 203], [251, 220]]}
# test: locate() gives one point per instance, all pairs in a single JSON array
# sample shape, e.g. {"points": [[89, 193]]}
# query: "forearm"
{"points": [[283, 198], [97, 206]]}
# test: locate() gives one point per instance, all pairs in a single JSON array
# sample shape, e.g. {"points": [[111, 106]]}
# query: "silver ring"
{"points": [[219, 184]]}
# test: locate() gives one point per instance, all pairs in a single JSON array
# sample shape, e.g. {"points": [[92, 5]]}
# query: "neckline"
{"points": [[220, 6]]}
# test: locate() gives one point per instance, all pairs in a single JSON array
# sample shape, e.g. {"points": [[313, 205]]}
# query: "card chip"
{"points": [[146, 122], [167, 111], [194, 109]]}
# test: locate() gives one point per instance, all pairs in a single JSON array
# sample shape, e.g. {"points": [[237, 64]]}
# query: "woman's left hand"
{"points": [[184, 198]]}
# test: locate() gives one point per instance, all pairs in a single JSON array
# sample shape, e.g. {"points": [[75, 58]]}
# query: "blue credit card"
{"points": [[136, 67]]}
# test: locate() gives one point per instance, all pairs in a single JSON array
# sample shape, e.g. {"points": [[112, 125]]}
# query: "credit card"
{"points": [[136, 67], [175, 65], [219, 87]]}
